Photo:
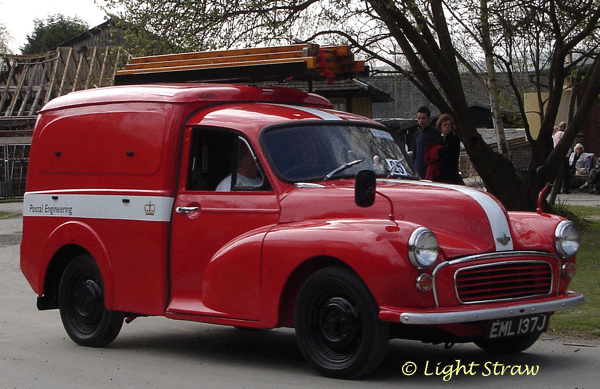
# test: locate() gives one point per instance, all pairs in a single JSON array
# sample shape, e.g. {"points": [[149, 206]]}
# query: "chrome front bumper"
{"points": [[431, 318]]}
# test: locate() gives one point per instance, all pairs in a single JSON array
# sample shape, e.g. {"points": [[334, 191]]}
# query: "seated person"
{"points": [[247, 174], [593, 180], [579, 162]]}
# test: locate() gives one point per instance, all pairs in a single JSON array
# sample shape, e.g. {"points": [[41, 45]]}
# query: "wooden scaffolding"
{"points": [[27, 82]]}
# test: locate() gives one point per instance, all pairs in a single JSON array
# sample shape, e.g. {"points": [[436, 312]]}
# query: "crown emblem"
{"points": [[149, 209]]}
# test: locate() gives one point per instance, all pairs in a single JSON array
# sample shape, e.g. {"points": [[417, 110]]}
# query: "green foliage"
{"points": [[584, 320], [48, 34], [577, 214]]}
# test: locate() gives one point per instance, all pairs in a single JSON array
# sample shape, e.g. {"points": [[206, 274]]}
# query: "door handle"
{"points": [[185, 210]]}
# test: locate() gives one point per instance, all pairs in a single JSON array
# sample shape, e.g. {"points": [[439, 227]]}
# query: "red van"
{"points": [[262, 207]]}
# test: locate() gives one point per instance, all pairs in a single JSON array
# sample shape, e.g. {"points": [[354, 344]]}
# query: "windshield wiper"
{"points": [[342, 168]]}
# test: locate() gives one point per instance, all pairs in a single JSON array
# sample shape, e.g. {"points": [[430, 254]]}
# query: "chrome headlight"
{"points": [[422, 248], [566, 239]]}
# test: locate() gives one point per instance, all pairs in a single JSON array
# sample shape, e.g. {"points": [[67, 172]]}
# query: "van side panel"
{"points": [[102, 177], [119, 146]]}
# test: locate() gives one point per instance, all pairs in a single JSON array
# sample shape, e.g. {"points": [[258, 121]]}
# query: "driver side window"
{"points": [[222, 161]]}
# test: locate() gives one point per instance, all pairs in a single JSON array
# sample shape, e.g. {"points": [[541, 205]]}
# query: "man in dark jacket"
{"points": [[425, 134]]}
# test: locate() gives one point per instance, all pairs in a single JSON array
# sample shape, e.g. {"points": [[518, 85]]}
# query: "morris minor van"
{"points": [[262, 207]]}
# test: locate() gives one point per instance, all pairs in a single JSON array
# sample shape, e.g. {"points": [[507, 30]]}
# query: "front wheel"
{"points": [[337, 325], [81, 304], [508, 346]]}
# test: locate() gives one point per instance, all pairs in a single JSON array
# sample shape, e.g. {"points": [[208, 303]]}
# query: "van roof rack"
{"points": [[307, 62]]}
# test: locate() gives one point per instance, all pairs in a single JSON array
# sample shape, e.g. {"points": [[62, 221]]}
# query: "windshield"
{"points": [[330, 151]]}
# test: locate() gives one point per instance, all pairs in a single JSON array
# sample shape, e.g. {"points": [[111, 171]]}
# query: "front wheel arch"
{"points": [[289, 292]]}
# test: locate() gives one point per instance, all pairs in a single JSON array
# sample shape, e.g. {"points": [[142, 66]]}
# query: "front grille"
{"points": [[503, 281]]}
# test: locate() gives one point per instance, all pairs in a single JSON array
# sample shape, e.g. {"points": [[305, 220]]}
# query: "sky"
{"points": [[17, 15]]}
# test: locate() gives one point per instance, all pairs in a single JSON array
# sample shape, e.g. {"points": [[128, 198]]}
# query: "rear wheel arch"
{"points": [[65, 243], [54, 272]]}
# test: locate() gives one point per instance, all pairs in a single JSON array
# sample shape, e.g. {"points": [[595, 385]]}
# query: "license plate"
{"points": [[518, 326]]}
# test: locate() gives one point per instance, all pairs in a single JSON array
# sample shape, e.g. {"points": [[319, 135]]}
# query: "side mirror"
{"points": [[364, 190]]}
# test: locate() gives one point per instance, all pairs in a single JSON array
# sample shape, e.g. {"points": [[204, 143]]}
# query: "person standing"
{"points": [[443, 158], [557, 135], [426, 133]]}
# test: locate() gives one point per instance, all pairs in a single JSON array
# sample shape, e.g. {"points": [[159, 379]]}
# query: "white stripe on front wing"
{"points": [[495, 214]]}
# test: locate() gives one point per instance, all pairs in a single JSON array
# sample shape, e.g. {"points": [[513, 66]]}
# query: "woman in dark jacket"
{"points": [[443, 158]]}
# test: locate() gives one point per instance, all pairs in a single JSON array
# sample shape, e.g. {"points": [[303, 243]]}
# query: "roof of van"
{"points": [[253, 117], [187, 93]]}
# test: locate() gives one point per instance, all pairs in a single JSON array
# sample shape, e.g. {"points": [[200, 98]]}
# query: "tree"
{"points": [[485, 36], [523, 37], [48, 34], [418, 39], [4, 39]]}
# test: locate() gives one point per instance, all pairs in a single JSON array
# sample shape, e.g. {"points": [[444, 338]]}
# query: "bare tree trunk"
{"points": [[493, 90]]}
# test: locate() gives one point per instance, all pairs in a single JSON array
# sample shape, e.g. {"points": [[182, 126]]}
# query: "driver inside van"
{"points": [[247, 174]]}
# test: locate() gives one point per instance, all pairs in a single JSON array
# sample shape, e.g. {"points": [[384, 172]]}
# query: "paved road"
{"points": [[159, 353], [580, 198]]}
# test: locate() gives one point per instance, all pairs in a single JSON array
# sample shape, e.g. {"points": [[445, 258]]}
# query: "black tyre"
{"points": [[510, 345], [337, 325], [81, 304]]}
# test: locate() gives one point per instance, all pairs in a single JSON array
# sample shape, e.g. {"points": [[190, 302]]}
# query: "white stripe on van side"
{"points": [[88, 206], [495, 214], [317, 112]]}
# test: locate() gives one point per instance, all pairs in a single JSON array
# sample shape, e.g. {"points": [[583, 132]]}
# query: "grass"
{"points": [[584, 320]]}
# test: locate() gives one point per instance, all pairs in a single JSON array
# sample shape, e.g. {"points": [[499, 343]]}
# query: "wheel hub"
{"points": [[88, 300], [339, 324]]}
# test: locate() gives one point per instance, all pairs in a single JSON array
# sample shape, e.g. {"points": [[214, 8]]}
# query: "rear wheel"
{"points": [[510, 345], [81, 304], [337, 325]]}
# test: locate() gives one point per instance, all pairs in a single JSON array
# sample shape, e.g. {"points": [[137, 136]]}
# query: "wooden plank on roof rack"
{"points": [[216, 60], [306, 61], [224, 53], [244, 73], [339, 51], [309, 61]]}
